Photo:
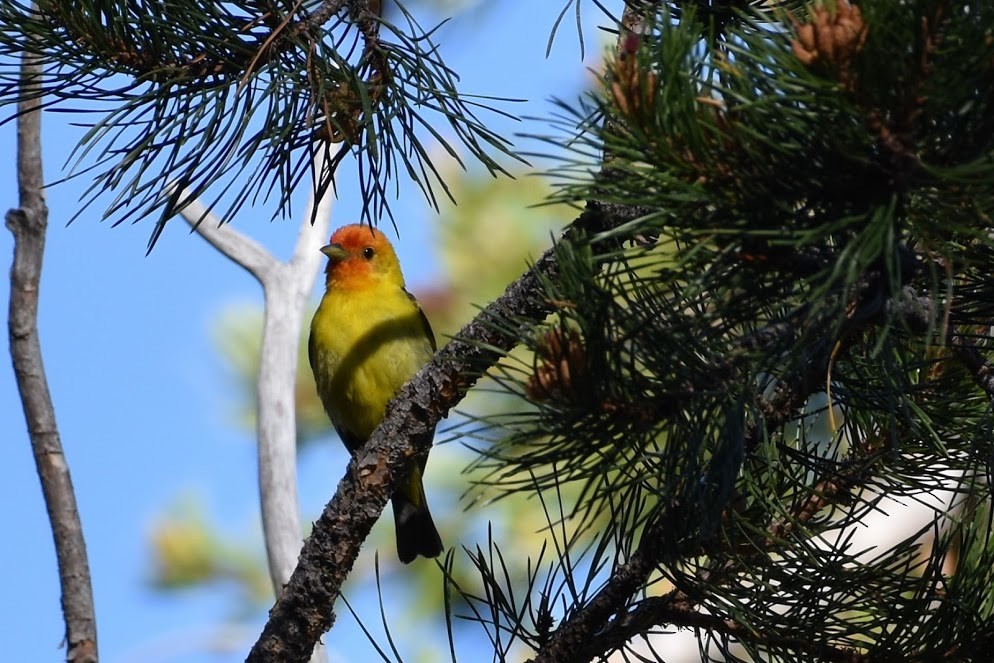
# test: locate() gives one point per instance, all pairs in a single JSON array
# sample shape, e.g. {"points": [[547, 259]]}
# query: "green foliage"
{"points": [[188, 552], [241, 94], [795, 329]]}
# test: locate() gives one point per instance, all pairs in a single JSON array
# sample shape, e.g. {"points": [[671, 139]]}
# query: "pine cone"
{"points": [[831, 40], [562, 369]]}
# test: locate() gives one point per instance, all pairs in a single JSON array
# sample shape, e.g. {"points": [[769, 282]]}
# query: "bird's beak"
{"points": [[335, 252]]}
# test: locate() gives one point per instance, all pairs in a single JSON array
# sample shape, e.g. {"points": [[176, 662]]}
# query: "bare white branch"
{"points": [[287, 292], [287, 288], [241, 249]]}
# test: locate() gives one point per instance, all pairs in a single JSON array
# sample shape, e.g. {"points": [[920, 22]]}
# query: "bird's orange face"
{"points": [[359, 256]]}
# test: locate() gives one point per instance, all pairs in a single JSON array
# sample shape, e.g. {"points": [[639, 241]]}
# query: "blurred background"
{"points": [[151, 363]]}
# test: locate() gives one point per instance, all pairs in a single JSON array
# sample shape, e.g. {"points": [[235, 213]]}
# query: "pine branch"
{"points": [[591, 632], [28, 224], [585, 634], [678, 609], [235, 57], [571, 641], [330, 8], [221, 92]]}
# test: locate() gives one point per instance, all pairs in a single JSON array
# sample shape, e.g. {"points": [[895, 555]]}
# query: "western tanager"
{"points": [[368, 337]]}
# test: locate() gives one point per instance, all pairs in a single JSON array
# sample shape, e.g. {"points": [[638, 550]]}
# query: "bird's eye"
{"points": [[368, 253]]}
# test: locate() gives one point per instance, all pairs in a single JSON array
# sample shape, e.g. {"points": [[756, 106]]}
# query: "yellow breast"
{"points": [[364, 346]]}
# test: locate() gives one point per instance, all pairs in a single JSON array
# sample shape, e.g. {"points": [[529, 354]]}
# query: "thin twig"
{"points": [[28, 224], [322, 14]]}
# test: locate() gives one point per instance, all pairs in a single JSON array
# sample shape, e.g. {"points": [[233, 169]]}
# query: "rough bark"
{"points": [[28, 223]]}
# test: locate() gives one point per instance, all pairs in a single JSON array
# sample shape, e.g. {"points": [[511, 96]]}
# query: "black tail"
{"points": [[416, 533]]}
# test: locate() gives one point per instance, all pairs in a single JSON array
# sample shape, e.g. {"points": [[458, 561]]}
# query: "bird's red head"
{"points": [[360, 256]]}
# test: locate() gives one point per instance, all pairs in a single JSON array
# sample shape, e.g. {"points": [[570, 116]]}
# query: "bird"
{"points": [[368, 337]]}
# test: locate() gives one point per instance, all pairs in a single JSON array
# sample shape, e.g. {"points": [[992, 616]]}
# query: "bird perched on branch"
{"points": [[368, 337]]}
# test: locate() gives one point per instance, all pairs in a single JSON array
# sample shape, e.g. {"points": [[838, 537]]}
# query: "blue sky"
{"points": [[141, 393]]}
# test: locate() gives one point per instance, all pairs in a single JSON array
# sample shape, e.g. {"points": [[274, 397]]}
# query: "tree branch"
{"points": [[677, 609], [28, 224], [287, 291], [587, 633], [317, 214], [238, 247], [571, 641]]}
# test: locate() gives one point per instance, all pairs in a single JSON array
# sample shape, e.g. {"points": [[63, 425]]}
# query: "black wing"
{"points": [[424, 321], [311, 350], [351, 441]]}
